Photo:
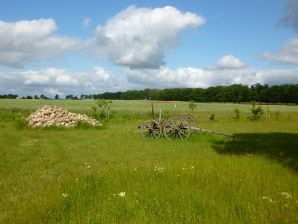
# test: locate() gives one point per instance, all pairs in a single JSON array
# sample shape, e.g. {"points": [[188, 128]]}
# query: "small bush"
{"points": [[237, 114], [192, 106], [256, 112], [103, 109], [212, 117]]}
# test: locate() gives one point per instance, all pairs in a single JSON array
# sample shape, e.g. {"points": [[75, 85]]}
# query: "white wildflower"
{"points": [[65, 195], [122, 194], [286, 194], [267, 198], [158, 169]]}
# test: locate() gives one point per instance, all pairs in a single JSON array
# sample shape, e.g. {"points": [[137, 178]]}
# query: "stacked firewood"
{"points": [[56, 116]]}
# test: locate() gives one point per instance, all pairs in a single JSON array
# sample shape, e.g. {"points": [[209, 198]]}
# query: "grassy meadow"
{"points": [[113, 175]]}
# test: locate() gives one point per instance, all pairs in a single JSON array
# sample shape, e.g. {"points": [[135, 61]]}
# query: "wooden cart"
{"points": [[178, 127]]}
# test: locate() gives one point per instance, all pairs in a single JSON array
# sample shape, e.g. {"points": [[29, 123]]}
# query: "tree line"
{"points": [[287, 93]]}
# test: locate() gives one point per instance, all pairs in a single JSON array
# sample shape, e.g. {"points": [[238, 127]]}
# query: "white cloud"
{"points": [[97, 80], [86, 22], [29, 40], [52, 91], [229, 70], [59, 81], [33, 77], [229, 62], [288, 54], [49, 76], [101, 74], [165, 77], [277, 76], [66, 80], [139, 37]]}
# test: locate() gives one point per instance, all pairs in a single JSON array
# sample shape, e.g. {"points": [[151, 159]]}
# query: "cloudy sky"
{"points": [[83, 47]]}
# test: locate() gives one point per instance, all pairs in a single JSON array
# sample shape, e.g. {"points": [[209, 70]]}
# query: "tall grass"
{"points": [[80, 175]]}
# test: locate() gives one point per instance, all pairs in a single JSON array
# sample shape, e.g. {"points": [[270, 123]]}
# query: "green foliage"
{"points": [[83, 125], [212, 117], [235, 93], [192, 106], [237, 114], [103, 109], [256, 112]]}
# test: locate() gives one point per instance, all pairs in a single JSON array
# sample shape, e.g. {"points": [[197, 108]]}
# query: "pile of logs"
{"points": [[56, 116]]}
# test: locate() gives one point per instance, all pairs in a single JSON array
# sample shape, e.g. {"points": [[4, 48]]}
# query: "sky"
{"points": [[85, 47]]}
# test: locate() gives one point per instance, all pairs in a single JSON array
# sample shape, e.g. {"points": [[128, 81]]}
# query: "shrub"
{"points": [[192, 106], [103, 109], [256, 112]]}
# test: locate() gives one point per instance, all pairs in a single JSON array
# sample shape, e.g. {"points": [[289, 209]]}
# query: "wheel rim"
{"points": [[151, 129], [177, 128]]}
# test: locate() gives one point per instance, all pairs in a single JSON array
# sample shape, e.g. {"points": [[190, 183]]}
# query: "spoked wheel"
{"points": [[151, 129], [177, 128]]}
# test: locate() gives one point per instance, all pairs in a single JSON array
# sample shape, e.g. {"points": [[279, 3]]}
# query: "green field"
{"points": [[79, 175]]}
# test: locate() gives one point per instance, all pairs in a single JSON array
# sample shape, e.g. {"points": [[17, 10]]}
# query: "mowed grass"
{"points": [[80, 175]]}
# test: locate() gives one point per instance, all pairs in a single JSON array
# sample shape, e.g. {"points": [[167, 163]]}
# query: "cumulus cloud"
{"points": [[291, 15], [139, 37], [229, 62], [228, 70], [101, 73], [28, 40], [194, 77], [58, 81], [288, 54], [166, 77], [48, 76]]}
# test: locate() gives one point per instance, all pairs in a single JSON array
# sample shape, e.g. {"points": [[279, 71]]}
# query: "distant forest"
{"points": [[287, 93]]}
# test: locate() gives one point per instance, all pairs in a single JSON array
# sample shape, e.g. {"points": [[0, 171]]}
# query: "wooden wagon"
{"points": [[178, 127]]}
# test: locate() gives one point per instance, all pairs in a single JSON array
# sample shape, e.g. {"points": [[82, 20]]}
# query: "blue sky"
{"points": [[78, 47]]}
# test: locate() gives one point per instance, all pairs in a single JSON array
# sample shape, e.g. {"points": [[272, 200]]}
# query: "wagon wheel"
{"points": [[151, 129], [177, 128]]}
